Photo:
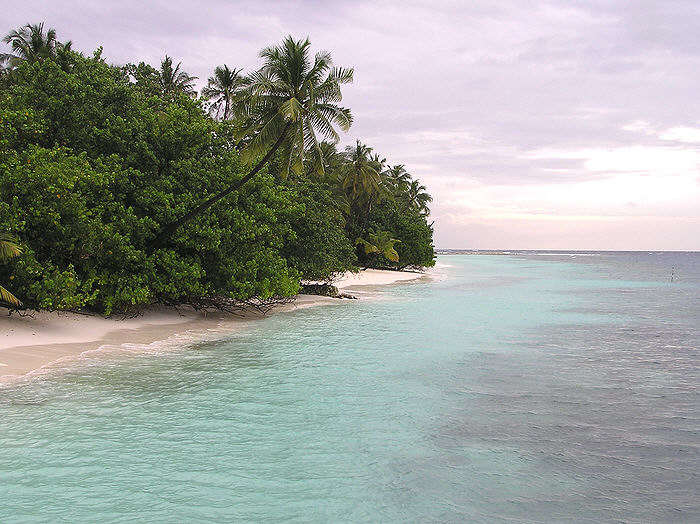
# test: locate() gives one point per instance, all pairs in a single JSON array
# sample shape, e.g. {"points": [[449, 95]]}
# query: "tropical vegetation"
{"points": [[120, 187]]}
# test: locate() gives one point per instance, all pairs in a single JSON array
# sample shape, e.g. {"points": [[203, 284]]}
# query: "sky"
{"points": [[533, 124]]}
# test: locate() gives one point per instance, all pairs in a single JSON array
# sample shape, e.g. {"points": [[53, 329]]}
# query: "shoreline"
{"points": [[33, 343]]}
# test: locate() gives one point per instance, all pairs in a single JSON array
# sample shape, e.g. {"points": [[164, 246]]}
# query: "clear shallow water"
{"points": [[523, 388]]}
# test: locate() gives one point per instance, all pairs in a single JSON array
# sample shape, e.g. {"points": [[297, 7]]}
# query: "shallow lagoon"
{"points": [[522, 388]]}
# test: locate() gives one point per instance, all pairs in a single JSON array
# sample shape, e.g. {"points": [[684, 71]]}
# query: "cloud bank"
{"points": [[534, 124]]}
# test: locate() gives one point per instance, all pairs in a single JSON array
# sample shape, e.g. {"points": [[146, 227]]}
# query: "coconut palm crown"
{"points": [[222, 89], [380, 242], [360, 176], [418, 198], [173, 80], [295, 98], [398, 177], [29, 43]]}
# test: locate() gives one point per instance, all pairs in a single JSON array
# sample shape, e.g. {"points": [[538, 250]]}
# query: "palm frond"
{"points": [[8, 298], [9, 247]]}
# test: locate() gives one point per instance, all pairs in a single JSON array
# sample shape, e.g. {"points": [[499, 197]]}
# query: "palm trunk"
{"points": [[171, 228], [365, 222]]}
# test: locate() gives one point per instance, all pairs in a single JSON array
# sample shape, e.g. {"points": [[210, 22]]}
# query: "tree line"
{"points": [[121, 187]]}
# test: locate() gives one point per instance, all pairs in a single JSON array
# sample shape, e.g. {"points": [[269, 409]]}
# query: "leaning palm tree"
{"points": [[173, 81], [29, 43], [222, 89], [8, 249], [418, 199], [291, 101]]}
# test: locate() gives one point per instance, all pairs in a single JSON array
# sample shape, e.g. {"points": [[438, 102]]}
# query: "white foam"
{"points": [[563, 254], [175, 342]]}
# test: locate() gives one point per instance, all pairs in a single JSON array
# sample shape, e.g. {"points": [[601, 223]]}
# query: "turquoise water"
{"points": [[522, 388]]}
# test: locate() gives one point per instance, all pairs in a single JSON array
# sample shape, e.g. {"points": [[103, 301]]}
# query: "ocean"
{"points": [[522, 387]]}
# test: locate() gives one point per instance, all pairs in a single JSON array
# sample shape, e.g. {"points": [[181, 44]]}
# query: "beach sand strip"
{"points": [[33, 342]]}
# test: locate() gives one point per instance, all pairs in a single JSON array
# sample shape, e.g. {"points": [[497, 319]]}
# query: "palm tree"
{"points": [[173, 81], [381, 243], [418, 199], [332, 161], [361, 180], [291, 101], [8, 249], [222, 88], [398, 177], [378, 163], [30, 44], [359, 175], [296, 100]]}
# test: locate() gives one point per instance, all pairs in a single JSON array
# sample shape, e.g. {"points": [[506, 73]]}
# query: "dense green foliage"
{"points": [[96, 161]]}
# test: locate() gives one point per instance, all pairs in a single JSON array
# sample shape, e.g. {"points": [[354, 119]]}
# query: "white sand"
{"points": [[29, 343], [375, 277]]}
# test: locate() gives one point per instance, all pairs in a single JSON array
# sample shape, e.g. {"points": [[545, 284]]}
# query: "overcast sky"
{"points": [[534, 124]]}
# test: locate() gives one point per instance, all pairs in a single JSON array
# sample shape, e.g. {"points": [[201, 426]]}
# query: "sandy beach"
{"points": [[33, 342]]}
